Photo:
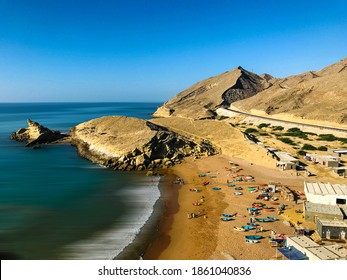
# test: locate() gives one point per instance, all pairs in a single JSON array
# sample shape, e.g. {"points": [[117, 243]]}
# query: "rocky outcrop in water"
{"points": [[125, 143], [36, 135]]}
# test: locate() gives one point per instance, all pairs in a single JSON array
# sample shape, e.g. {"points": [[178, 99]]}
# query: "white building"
{"points": [[316, 252], [325, 160], [286, 161], [325, 193]]}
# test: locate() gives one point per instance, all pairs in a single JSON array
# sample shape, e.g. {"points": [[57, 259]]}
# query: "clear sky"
{"points": [[149, 50]]}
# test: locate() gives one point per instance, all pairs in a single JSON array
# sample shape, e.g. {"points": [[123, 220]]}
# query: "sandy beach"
{"points": [[207, 237]]}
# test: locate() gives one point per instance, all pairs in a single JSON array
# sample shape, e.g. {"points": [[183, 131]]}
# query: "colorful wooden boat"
{"points": [[253, 237], [272, 218], [202, 175], [252, 241], [216, 189], [238, 188], [263, 220], [227, 215], [231, 185], [226, 219], [238, 193], [247, 227]]}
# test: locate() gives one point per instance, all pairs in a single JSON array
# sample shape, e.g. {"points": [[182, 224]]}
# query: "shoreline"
{"points": [[150, 231]]}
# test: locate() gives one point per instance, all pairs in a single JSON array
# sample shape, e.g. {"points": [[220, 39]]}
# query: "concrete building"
{"points": [[341, 170], [314, 251], [325, 193], [332, 229], [313, 211], [325, 160], [340, 152], [286, 161]]}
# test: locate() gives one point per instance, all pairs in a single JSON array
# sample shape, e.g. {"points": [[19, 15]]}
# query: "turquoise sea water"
{"points": [[56, 205]]}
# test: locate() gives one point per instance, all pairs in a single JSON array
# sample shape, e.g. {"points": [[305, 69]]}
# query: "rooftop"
{"points": [[286, 157], [323, 253], [325, 188], [303, 241], [337, 250], [322, 208], [333, 223]]}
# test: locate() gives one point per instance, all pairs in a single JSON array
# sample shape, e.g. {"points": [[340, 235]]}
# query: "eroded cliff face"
{"points": [[125, 143], [201, 100], [36, 134]]}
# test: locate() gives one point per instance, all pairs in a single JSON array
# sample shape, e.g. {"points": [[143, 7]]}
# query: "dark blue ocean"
{"points": [[56, 205]]}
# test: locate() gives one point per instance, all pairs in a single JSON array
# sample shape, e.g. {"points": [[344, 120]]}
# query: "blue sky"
{"points": [[147, 50]]}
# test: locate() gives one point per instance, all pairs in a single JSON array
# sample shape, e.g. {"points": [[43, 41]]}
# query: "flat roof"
{"points": [[324, 157], [337, 250], [286, 156], [303, 241], [340, 151], [323, 253], [322, 208], [292, 253], [333, 223], [325, 188]]}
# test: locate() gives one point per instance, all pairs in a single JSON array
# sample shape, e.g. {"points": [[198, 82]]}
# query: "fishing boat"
{"points": [[202, 175], [272, 218], [253, 237], [269, 210], [216, 189], [238, 188], [252, 241], [247, 227], [238, 193], [227, 215], [253, 209], [226, 219], [239, 229], [231, 185], [205, 183], [263, 220]]}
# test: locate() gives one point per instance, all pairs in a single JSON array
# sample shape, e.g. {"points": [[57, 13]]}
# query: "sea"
{"points": [[57, 205]]}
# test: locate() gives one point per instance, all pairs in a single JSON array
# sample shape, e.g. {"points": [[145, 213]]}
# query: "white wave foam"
{"points": [[108, 244]]}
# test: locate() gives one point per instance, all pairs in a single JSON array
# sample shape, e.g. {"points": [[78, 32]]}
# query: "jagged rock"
{"points": [[36, 134], [201, 100], [132, 143]]}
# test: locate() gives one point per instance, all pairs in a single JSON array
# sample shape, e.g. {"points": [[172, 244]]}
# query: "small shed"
{"points": [[332, 229]]}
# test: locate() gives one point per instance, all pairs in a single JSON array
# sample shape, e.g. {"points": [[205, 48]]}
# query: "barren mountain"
{"points": [[202, 99], [315, 95]]}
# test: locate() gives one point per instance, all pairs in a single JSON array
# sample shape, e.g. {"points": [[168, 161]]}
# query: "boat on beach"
{"points": [[252, 241], [216, 189], [226, 219], [253, 237]]}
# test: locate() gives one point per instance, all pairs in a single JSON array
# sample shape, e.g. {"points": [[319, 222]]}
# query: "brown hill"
{"points": [[315, 95], [202, 99]]}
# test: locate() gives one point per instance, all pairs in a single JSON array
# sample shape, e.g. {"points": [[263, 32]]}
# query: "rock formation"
{"points": [[125, 143], [36, 134], [314, 95], [202, 99]]}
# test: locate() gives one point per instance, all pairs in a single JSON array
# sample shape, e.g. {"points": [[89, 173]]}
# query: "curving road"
{"points": [[289, 122]]}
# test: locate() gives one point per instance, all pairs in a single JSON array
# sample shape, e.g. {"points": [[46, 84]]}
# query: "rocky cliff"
{"points": [[314, 95], [202, 99], [125, 143], [36, 134]]}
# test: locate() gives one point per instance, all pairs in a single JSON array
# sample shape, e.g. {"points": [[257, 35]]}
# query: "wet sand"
{"points": [[204, 238]]}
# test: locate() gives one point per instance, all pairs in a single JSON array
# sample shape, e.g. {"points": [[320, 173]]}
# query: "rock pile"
{"points": [[36, 134]]}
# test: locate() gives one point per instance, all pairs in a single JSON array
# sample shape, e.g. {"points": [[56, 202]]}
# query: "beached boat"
{"points": [[269, 210], [253, 237], [253, 209], [216, 189], [202, 175], [231, 185], [227, 215], [205, 183], [194, 190], [247, 227], [238, 193], [252, 241], [226, 219], [238, 188], [272, 218], [239, 229], [252, 224], [263, 220]]}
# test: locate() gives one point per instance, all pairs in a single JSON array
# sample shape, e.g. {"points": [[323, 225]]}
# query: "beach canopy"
{"points": [[291, 253]]}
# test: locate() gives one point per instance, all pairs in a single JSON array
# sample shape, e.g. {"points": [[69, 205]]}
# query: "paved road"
{"points": [[290, 122]]}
